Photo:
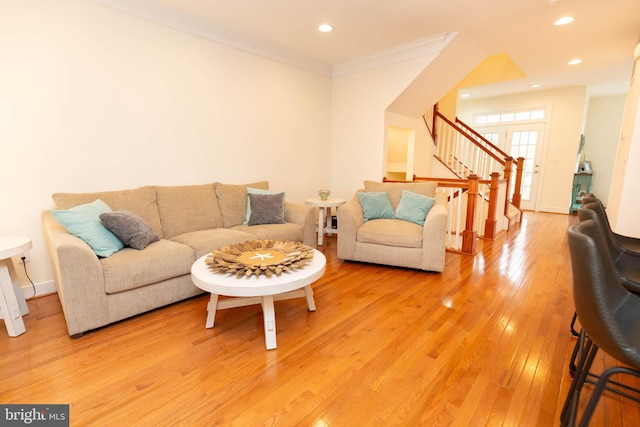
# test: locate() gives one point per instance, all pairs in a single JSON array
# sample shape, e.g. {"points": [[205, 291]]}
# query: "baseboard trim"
{"points": [[41, 288], [554, 209]]}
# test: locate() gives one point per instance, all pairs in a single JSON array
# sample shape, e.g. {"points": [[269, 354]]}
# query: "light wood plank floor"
{"points": [[486, 342]]}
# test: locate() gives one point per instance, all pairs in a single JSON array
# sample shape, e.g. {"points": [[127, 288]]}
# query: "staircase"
{"points": [[484, 188]]}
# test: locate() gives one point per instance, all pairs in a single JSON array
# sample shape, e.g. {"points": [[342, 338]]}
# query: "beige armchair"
{"points": [[393, 241]]}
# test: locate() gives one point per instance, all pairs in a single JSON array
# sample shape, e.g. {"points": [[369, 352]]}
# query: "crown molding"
{"points": [[167, 16], [431, 45], [161, 14]]}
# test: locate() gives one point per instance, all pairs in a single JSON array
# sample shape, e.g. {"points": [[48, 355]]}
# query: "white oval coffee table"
{"points": [[258, 290]]}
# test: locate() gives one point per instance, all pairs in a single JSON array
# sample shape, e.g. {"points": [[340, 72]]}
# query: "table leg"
{"points": [[327, 212], [269, 314], [308, 292], [320, 225], [17, 288], [211, 310], [9, 301]]}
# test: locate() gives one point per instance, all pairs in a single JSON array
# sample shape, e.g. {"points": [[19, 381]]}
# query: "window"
{"points": [[509, 116]]}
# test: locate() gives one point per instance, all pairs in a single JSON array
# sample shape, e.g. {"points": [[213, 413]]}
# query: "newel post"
{"points": [[491, 223], [469, 234], [508, 165], [517, 195]]}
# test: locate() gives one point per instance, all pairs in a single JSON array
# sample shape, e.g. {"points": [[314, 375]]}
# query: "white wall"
{"points": [[92, 99], [602, 130], [423, 147], [358, 110], [567, 107], [623, 203]]}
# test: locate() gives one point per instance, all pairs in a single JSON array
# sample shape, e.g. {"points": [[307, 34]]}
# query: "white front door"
{"points": [[521, 140], [526, 141]]}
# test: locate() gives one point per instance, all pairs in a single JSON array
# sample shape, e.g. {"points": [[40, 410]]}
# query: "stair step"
{"points": [[514, 214]]}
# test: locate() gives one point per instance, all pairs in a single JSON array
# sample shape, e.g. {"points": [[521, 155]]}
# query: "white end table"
{"points": [[258, 290], [324, 211], [12, 303]]}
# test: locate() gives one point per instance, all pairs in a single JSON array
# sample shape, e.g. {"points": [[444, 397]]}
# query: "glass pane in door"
{"points": [[523, 144]]}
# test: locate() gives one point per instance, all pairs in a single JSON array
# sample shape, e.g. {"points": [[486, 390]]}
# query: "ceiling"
{"points": [[604, 33]]}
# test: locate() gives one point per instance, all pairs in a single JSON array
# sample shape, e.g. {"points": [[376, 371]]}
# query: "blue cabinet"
{"points": [[582, 183]]}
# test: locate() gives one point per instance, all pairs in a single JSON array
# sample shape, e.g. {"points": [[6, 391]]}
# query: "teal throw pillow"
{"points": [[375, 205], [84, 222], [414, 207]]}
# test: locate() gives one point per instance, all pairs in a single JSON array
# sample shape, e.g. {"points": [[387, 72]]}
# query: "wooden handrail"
{"points": [[463, 133], [482, 138]]}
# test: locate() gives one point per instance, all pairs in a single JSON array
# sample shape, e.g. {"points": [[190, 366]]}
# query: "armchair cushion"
{"points": [[414, 207], [391, 232], [376, 205]]}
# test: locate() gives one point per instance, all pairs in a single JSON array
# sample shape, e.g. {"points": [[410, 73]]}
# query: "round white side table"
{"points": [[12, 303], [324, 211]]}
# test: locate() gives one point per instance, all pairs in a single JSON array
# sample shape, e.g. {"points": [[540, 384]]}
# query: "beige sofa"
{"points": [[189, 221], [394, 241]]}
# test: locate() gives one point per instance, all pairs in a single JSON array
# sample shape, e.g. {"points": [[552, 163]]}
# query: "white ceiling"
{"points": [[604, 33]]}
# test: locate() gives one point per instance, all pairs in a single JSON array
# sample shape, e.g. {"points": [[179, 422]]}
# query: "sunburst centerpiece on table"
{"points": [[260, 257]]}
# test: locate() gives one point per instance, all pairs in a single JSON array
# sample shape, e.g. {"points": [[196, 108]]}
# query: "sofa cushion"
{"points": [[414, 207], [141, 201], [185, 208], [266, 208], [289, 231], [205, 241], [390, 232], [83, 221], [130, 268], [129, 228], [394, 189], [232, 200], [375, 205]]}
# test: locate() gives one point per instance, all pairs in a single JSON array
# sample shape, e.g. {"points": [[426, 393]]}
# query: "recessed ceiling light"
{"points": [[535, 85], [564, 20], [465, 95], [575, 61], [325, 28]]}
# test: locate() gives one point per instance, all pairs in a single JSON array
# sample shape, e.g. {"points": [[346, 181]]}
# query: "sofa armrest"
{"points": [[306, 217], [434, 235], [350, 218], [78, 277]]}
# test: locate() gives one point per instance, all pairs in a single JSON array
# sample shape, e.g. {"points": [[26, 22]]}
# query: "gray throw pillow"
{"points": [[129, 228], [266, 208]]}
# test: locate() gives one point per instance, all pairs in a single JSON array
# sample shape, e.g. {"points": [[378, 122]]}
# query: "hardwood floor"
{"points": [[486, 342]]}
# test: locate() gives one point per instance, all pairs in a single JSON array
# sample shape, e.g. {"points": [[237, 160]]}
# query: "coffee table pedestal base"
{"points": [[268, 310]]}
